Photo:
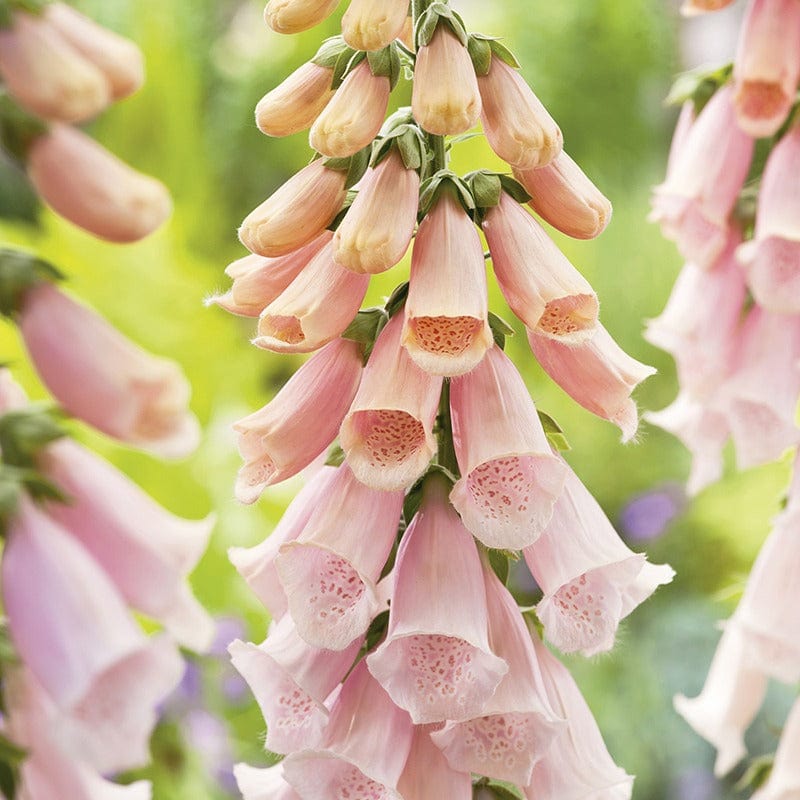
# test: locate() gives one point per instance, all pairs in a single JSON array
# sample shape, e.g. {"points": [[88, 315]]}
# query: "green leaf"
{"points": [[365, 327], [18, 128], [500, 563], [500, 51], [555, 435], [513, 187], [480, 51], [335, 456], [330, 51], [698, 85], [756, 774], [24, 432], [396, 300], [505, 791], [500, 330], [376, 630]]}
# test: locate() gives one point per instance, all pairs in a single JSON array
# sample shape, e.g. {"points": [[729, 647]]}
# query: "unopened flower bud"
{"points": [[293, 105], [294, 16], [445, 98], [517, 125], [374, 24]]}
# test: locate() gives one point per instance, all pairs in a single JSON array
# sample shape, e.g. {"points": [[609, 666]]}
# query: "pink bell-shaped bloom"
{"points": [[257, 564], [759, 398], [772, 258], [562, 195], [46, 74], [258, 281], [446, 329], [364, 749], [510, 477], [314, 309], [373, 24], [445, 98], [540, 285], [294, 104], [436, 661], [118, 58], [428, 775], [72, 630], [330, 571], [291, 682], [263, 784], [294, 16], [518, 724], [784, 779], [353, 117], [577, 766], [377, 229], [146, 551], [388, 433], [597, 374], [704, 181], [301, 421], [590, 578], [103, 378], [766, 69], [296, 212], [91, 188], [517, 125], [731, 697], [691, 8]]}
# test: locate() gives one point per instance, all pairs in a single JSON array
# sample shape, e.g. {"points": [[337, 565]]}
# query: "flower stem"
{"points": [[446, 456]]}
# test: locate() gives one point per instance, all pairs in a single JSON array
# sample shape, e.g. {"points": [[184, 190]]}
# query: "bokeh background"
{"points": [[602, 67]]}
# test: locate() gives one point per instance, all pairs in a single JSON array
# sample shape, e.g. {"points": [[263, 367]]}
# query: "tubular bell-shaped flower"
{"points": [[540, 285], [263, 784], [103, 378], [784, 779], [428, 775], [445, 98], [295, 16], [353, 117], [353, 761], [387, 435], [89, 186], [436, 661], [517, 724], [294, 104], [295, 213], [510, 477], [146, 551], [517, 125], [597, 374], [766, 69], [330, 570], [302, 420], [577, 766], [373, 24], [377, 229], [314, 309], [562, 195], [291, 681], [446, 330], [590, 578]]}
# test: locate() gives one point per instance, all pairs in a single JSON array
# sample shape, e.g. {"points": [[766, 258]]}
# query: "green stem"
{"points": [[439, 153], [446, 456]]}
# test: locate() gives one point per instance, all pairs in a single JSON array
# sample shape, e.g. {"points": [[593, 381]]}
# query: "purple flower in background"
{"points": [[227, 629], [208, 736], [647, 515], [694, 784]]}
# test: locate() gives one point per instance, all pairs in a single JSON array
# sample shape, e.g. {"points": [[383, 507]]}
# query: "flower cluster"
{"points": [[732, 324], [59, 68], [398, 662]]}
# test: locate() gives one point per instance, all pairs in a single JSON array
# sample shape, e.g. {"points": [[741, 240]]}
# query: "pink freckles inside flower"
{"points": [[502, 488], [284, 329], [761, 99], [504, 739], [257, 473], [441, 666], [583, 608], [338, 589], [568, 315], [448, 336], [293, 708], [389, 436], [354, 785]]}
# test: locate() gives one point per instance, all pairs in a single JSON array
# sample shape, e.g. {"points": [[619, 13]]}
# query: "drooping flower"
{"points": [[103, 378], [295, 103], [517, 125], [354, 115], [591, 580], [300, 422], [445, 98], [428, 775], [540, 285], [314, 309], [446, 330], [330, 571], [373, 24], [387, 435], [784, 779], [510, 477], [90, 187], [294, 16], [436, 661], [263, 783], [295, 213], [766, 69], [364, 749], [377, 229], [563, 195], [597, 374]]}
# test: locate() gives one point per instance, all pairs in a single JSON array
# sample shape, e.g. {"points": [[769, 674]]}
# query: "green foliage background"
{"points": [[602, 68]]}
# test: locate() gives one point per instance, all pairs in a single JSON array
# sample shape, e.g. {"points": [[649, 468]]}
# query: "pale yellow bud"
{"points": [[294, 16], [374, 24]]}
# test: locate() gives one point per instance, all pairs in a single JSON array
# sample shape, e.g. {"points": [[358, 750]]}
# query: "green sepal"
{"points": [[396, 300], [13, 481], [513, 187], [348, 60], [435, 14], [8, 653], [330, 51], [500, 564], [386, 63], [485, 187], [698, 86], [444, 180], [499, 50], [7, 8], [500, 330], [532, 621], [552, 430], [355, 166], [19, 271], [376, 631], [412, 501], [348, 201], [480, 51], [402, 133], [25, 431], [11, 758], [18, 128], [365, 327], [756, 774], [335, 456]]}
